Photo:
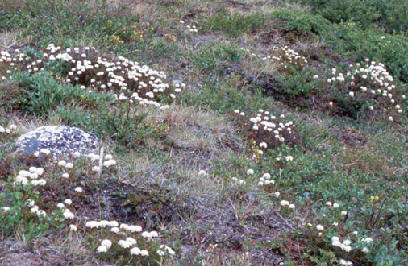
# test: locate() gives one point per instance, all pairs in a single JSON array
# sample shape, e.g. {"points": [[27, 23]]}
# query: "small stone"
{"points": [[58, 140]]}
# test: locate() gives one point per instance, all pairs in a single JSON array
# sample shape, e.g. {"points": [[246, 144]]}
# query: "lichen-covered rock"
{"points": [[57, 141]]}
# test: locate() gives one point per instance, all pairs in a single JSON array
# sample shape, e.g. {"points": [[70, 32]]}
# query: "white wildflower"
{"points": [[135, 251], [102, 249], [68, 214], [68, 201], [106, 243], [202, 173], [73, 227]]}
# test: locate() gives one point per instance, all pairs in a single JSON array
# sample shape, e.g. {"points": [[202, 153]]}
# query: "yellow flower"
{"points": [[170, 38], [374, 198], [350, 24]]}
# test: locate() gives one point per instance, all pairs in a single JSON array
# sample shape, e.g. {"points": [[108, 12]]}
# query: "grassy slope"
{"points": [[340, 159]]}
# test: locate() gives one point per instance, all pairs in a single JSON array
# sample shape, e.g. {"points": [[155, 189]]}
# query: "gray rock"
{"points": [[58, 140]]}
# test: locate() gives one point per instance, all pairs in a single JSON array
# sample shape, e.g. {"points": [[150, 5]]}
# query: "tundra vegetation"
{"points": [[234, 132]]}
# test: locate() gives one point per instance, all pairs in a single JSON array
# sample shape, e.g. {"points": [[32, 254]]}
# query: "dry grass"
{"points": [[25, 124], [192, 128], [196, 138], [13, 38]]}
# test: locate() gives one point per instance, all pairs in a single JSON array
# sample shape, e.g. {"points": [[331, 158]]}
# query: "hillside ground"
{"points": [[329, 187]]}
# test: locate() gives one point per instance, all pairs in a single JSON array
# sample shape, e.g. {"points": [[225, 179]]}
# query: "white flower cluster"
{"points": [[287, 158], [238, 181], [127, 243], [101, 224], [202, 173], [131, 228], [36, 210], [345, 245], [137, 251], [189, 28], [126, 79], [73, 227], [33, 173], [345, 262], [165, 250], [266, 121], [149, 235], [67, 213], [108, 162], [105, 245], [5, 209], [192, 29], [371, 79], [266, 180], [334, 205], [285, 203], [286, 56], [8, 130], [269, 125]]}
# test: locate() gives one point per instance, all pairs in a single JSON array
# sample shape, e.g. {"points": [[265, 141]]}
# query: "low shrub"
{"points": [[234, 24], [302, 22], [391, 15]]}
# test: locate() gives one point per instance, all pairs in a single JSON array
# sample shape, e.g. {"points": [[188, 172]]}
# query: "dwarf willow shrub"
{"points": [[126, 127], [351, 41], [234, 24], [302, 22], [293, 88], [392, 50], [215, 56], [297, 84], [40, 93], [16, 216], [392, 15]]}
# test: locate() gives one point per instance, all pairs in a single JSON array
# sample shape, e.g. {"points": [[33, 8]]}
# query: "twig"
{"points": [[100, 163]]}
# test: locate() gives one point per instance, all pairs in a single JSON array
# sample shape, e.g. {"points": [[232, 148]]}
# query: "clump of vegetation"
{"points": [[368, 85], [52, 197], [387, 14], [234, 24], [267, 131], [301, 22], [85, 66]]}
